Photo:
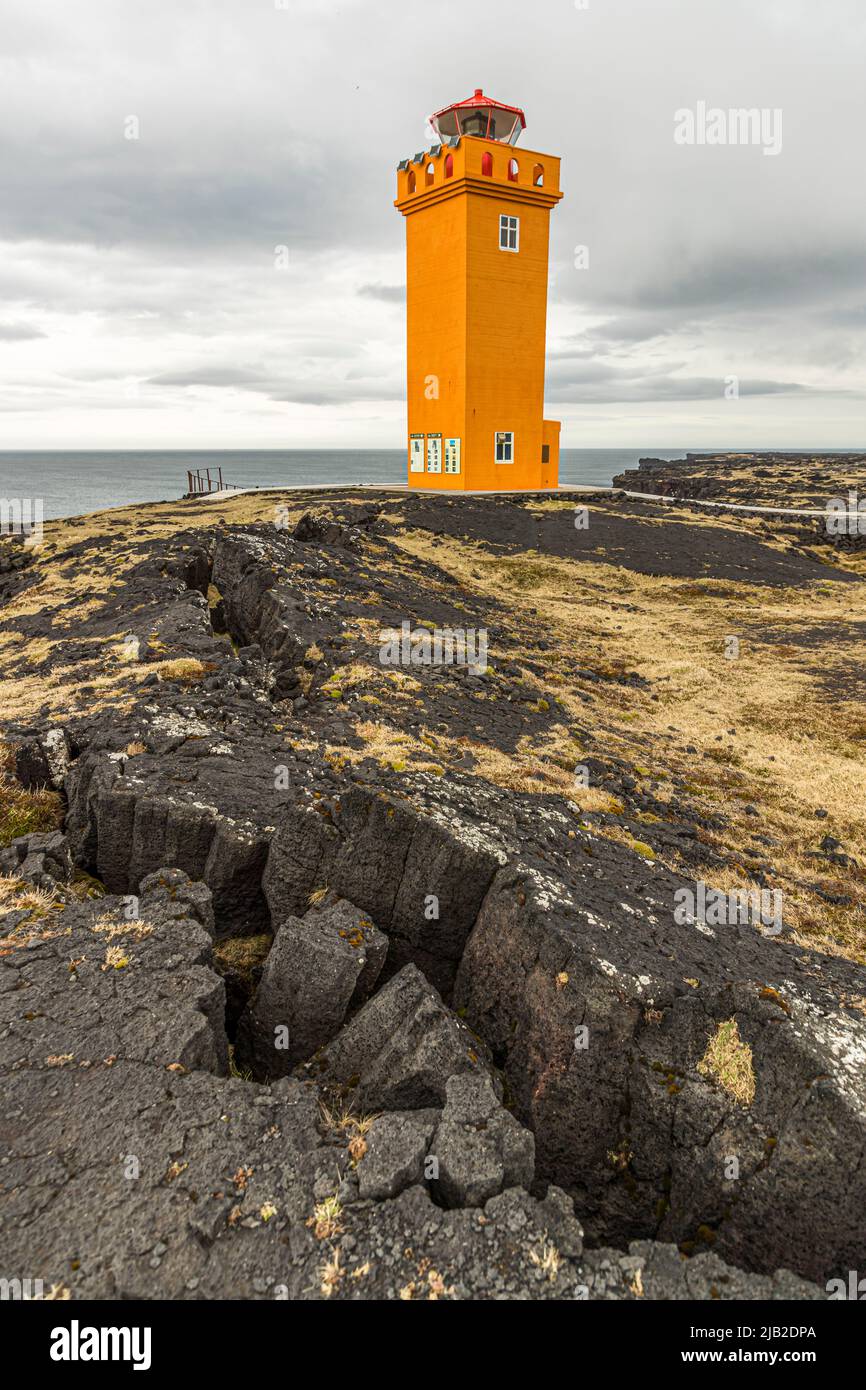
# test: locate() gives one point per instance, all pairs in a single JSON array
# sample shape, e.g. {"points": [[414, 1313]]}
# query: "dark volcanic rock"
{"points": [[188, 803], [634, 542], [480, 1148], [44, 761], [656, 1271], [420, 871], [133, 1171], [137, 1168], [101, 981], [318, 969], [396, 1148], [323, 530], [257, 606], [401, 1049], [137, 1183], [45, 860], [170, 894], [602, 1009]]}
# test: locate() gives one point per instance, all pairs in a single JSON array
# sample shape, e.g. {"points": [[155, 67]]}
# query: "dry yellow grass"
{"points": [[325, 1221], [26, 812], [728, 1061], [17, 895], [185, 669], [796, 749], [798, 746]]}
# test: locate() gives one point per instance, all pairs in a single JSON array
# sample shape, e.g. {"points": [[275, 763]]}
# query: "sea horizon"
{"points": [[75, 482]]}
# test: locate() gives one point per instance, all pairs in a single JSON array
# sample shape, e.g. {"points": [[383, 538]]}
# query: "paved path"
{"points": [[403, 489]]}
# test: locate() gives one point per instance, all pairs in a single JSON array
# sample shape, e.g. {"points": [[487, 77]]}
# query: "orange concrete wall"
{"points": [[467, 160], [506, 332], [477, 315], [550, 435], [436, 338]]}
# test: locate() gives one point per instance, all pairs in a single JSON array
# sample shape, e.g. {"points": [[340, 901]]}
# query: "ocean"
{"points": [[74, 483]]}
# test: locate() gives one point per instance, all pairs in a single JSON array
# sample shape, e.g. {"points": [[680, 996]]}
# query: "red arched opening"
{"points": [[449, 166], [428, 174], [538, 176], [513, 170], [411, 180], [487, 164]]}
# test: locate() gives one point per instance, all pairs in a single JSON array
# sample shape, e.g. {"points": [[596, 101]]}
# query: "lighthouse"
{"points": [[477, 214]]}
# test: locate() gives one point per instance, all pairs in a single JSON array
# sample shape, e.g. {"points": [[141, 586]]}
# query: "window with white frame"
{"points": [[504, 446], [509, 233]]}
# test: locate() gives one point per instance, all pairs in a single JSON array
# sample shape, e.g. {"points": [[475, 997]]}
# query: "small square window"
{"points": [[509, 233], [504, 446]]}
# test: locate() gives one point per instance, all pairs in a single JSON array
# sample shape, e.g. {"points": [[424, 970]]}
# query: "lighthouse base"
{"points": [[520, 462]]}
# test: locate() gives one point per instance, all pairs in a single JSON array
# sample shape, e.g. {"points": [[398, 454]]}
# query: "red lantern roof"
{"points": [[480, 115]]}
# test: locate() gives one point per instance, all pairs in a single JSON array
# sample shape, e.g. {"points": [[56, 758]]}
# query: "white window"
{"points": [[505, 446], [509, 233]]}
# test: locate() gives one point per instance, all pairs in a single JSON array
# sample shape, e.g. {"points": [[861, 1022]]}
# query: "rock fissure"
{"points": [[412, 968]]}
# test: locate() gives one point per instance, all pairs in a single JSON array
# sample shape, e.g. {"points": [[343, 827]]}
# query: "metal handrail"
{"points": [[201, 481]]}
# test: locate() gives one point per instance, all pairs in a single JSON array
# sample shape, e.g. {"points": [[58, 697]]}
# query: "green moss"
{"points": [[640, 847], [85, 886]]}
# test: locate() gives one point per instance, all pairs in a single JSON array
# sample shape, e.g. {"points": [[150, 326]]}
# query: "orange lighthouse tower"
{"points": [[477, 234]]}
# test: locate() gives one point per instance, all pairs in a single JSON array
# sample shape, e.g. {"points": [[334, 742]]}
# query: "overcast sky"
{"points": [[142, 304]]}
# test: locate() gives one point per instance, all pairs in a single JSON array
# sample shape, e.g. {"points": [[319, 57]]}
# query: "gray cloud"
{"points": [[730, 280], [599, 382], [19, 332], [351, 388], [143, 271], [389, 294], [208, 376], [635, 328]]}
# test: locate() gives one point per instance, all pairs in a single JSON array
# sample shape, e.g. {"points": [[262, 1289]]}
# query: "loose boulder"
{"points": [[44, 761], [480, 1148], [45, 860], [318, 970], [401, 1049], [396, 1148]]}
